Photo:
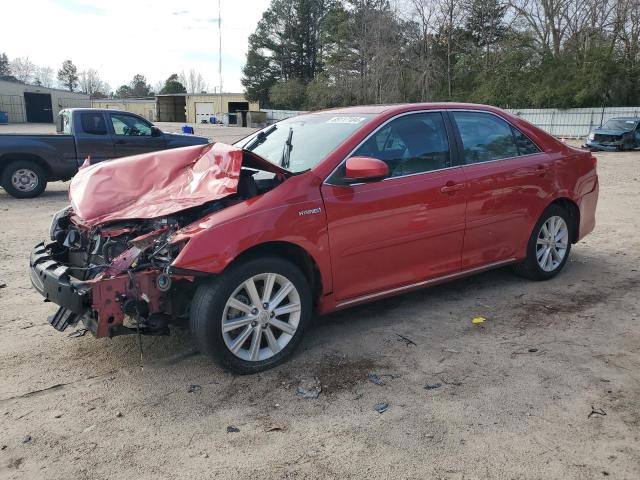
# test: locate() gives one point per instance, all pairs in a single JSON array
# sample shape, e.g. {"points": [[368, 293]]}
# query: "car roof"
{"points": [[405, 107], [99, 110]]}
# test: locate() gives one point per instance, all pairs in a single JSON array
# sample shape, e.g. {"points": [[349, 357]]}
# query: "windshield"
{"points": [[620, 124], [300, 143]]}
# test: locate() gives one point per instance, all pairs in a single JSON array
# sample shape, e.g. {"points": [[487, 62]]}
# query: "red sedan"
{"points": [[315, 213]]}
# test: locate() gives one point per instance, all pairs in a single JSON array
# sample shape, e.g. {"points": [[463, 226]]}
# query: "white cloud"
{"points": [[120, 38]]}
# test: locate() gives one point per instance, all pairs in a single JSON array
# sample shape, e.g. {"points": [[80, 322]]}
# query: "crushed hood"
{"points": [[159, 183]]}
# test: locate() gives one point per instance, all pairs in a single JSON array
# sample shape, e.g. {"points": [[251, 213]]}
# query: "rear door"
{"points": [[132, 135], [92, 137], [509, 181], [404, 229]]}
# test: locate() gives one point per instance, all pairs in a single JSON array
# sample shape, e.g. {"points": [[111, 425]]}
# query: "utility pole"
{"points": [[220, 45]]}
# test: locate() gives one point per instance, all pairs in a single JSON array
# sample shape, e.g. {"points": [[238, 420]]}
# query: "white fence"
{"points": [[277, 115], [570, 123]]}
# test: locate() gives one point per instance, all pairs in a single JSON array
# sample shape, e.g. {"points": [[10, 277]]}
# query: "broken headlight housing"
{"points": [[56, 224]]}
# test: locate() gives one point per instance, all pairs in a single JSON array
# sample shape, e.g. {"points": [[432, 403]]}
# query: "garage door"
{"points": [[204, 111], [38, 107]]}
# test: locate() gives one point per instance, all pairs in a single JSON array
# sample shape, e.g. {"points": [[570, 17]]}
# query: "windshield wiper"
{"points": [[286, 151], [260, 138]]}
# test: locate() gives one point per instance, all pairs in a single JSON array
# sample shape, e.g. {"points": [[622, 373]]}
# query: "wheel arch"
{"points": [[8, 158], [574, 214], [291, 252]]}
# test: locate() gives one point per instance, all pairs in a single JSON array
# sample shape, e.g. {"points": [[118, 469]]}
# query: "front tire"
{"points": [[24, 179], [549, 245], [253, 316]]}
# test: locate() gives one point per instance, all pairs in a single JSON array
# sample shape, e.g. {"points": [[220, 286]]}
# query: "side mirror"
{"points": [[366, 169], [155, 131]]}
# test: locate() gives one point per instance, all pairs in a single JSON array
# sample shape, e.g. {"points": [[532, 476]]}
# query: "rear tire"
{"points": [[240, 327], [549, 246], [24, 179]]}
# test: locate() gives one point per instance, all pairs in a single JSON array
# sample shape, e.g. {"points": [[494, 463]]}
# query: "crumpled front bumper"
{"points": [[608, 147], [54, 281], [100, 303]]}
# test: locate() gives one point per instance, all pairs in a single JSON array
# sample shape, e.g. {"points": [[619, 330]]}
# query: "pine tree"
{"points": [[68, 75]]}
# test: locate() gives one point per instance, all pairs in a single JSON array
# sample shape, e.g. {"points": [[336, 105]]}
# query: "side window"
{"points": [[93, 123], [525, 146], [64, 123], [410, 144], [130, 125], [484, 137]]}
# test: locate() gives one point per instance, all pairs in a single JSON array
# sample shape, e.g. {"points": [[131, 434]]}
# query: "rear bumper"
{"points": [[588, 204]]}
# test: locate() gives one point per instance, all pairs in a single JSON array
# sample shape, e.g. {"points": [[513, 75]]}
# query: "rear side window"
{"points": [[93, 123], [525, 146], [410, 144], [485, 137], [64, 123]]}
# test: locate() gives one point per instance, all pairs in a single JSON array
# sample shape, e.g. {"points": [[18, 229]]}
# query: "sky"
{"points": [[121, 38]]}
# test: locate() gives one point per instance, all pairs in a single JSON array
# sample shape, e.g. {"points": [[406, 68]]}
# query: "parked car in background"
{"points": [[616, 134], [28, 162], [318, 212]]}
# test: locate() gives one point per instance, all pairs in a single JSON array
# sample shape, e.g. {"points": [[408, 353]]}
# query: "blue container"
{"points": [[212, 120], [4, 118], [187, 129]]}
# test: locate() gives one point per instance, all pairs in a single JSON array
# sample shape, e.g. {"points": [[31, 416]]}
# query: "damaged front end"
{"points": [[111, 268], [117, 278]]}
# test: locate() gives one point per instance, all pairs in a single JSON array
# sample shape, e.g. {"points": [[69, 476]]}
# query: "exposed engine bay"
{"points": [[116, 276]]}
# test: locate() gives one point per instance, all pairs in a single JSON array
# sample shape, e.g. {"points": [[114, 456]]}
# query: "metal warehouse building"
{"points": [[197, 107], [30, 103], [145, 107]]}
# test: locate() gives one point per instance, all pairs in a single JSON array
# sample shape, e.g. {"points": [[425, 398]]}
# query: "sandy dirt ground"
{"points": [[547, 387]]}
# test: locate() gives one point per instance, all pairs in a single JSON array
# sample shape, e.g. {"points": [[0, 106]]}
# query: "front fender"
{"points": [[214, 243]]}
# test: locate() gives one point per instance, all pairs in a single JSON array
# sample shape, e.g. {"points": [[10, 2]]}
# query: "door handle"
{"points": [[451, 187]]}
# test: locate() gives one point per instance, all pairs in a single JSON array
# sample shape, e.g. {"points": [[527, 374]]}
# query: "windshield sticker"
{"points": [[348, 120]]}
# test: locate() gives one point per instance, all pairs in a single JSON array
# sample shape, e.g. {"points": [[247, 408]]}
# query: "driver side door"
{"points": [[389, 235], [132, 135]]}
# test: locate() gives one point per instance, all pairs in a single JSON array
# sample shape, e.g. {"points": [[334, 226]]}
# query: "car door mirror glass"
{"points": [[365, 169]]}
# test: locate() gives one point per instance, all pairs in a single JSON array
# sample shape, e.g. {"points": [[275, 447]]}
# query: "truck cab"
{"points": [[28, 162], [104, 134]]}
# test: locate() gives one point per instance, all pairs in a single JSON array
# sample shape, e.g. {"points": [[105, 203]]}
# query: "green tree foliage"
{"points": [[289, 94], [287, 44], [259, 75], [173, 85], [510, 53], [140, 87], [5, 70], [124, 91], [68, 75]]}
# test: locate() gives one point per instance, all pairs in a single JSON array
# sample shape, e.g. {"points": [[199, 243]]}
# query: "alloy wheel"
{"points": [[261, 317], [552, 243]]}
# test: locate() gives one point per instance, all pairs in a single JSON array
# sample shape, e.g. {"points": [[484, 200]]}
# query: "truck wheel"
{"points": [[253, 316], [24, 179], [549, 245]]}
